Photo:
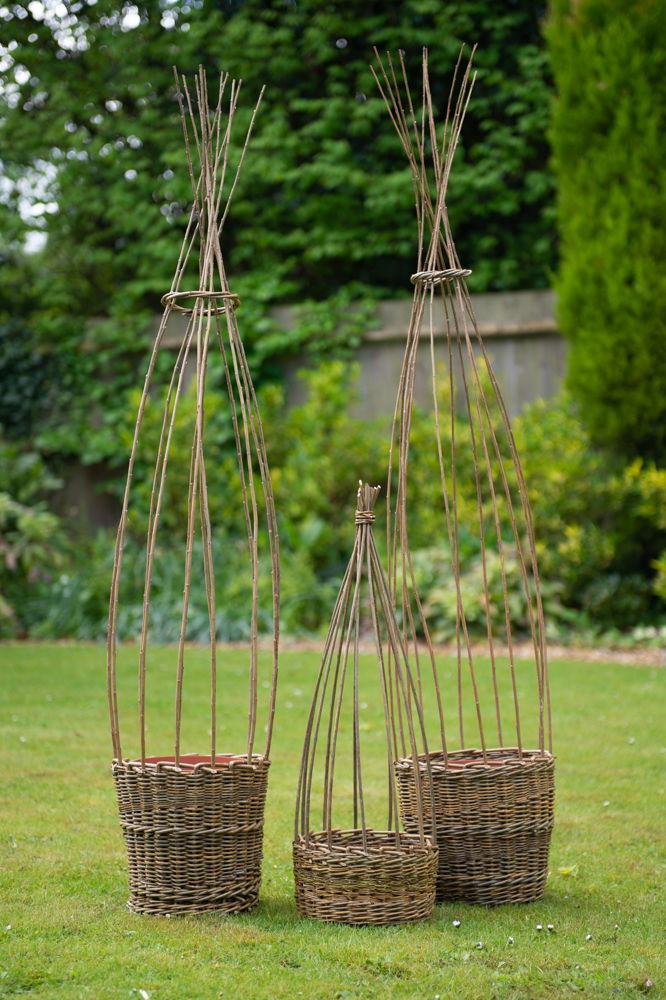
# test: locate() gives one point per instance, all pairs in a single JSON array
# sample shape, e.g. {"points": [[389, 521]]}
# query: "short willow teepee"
{"points": [[193, 822], [361, 875], [493, 798]]}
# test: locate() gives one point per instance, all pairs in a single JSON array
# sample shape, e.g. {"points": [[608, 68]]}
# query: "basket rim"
{"points": [[497, 760], [191, 763], [343, 843]]}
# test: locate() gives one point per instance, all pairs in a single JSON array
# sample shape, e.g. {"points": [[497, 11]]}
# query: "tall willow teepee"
{"points": [[193, 822], [494, 791]]}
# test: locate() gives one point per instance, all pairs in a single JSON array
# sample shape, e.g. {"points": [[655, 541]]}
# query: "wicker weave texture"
{"points": [[194, 838], [390, 880], [494, 820]]}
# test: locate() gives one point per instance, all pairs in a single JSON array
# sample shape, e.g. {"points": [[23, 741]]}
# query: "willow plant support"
{"points": [[362, 875], [493, 800], [193, 822]]}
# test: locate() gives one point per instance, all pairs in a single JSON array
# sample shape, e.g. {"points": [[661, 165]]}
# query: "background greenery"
{"points": [[92, 158], [601, 526], [92, 155]]}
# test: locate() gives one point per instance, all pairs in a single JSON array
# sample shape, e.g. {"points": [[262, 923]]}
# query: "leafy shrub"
{"points": [[317, 453], [32, 540], [660, 580], [435, 581], [76, 602], [600, 525], [600, 528], [224, 489]]}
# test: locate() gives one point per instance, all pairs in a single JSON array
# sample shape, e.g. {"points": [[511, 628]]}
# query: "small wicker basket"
{"points": [[386, 880], [494, 817], [362, 875], [193, 833]]}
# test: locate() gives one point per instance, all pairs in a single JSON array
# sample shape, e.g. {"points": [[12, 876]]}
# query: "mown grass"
{"points": [[65, 932]]}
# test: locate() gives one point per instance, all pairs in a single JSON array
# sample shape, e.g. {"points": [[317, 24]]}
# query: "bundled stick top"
{"points": [[354, 616], [478, 463], [210, 307]]}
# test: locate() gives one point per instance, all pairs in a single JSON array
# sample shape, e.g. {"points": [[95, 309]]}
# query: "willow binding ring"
{"points": [[439, 277], [171, 298]]}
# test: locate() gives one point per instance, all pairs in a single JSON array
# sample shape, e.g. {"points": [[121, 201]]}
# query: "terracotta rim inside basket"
{"points": [[188, 761], [496, 759], [461, 762]]}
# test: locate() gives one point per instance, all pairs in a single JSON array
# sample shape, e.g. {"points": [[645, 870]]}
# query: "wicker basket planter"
{"points": [[494, 820], [492, 808], [389, 879], [362, 875], [193, 833], [193, 823]]}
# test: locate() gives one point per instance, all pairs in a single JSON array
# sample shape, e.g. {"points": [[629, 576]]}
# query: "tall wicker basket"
{"points": [[193, 822], [494, 817], [362, 875], [493, 807]]}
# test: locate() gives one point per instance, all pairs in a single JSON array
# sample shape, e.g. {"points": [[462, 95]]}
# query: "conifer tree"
{"points": [[609, 62]]}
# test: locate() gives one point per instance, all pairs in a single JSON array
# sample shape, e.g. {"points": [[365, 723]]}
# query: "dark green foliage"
{"points": [[325, 197], [91, 141], [32, 540], [609, 61], [338, 196], [25, 381]]}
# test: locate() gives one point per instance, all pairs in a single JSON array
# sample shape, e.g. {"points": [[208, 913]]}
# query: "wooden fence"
{"points": [[527, 351], [521, 336]]}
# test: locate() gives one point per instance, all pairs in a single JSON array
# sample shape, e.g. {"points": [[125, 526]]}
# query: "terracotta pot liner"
{"points": [[188, 761]]}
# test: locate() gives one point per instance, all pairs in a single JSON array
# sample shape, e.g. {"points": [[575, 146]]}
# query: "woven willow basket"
{"points": [[492, 809], [389, 880], [193, 833], [494, 819], [193, 823], [362, 875]]}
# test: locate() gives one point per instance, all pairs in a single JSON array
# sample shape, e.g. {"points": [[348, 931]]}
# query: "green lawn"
{"points": [[65, 931]]}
